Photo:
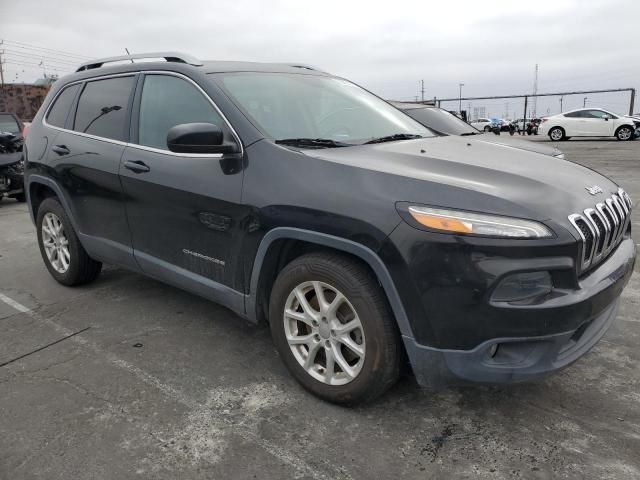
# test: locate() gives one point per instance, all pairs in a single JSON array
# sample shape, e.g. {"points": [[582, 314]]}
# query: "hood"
{"points": [[457, 172], [510, 141]]}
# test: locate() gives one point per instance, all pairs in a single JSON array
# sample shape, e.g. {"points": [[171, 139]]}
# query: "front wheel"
{"points": [[624, 133], [332, 327], [62, 252]]}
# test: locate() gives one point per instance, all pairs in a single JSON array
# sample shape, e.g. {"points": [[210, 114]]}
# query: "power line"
{"points": [[40, 57], [27, 46]]}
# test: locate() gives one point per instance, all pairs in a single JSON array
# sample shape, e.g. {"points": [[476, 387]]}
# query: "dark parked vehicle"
{"points": [[11, 158], [298, 198], [444, 123]]}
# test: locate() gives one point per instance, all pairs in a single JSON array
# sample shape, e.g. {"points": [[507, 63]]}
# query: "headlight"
{"points": [[455, 221]]}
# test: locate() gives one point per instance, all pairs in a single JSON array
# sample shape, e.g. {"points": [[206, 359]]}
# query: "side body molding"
{"points": [[348, 246]]}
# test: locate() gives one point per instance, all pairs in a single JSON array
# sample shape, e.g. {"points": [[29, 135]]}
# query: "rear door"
{"points": [[84, 156], [184, 209]]}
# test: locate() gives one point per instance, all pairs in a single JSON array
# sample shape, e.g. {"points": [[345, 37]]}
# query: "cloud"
{"points": [[388, 47]]}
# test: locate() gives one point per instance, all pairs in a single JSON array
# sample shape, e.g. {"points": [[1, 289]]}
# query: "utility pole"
{"points": [[534, 99], [560, 104], [584, 102], [422, 89], [460, 97], [1, 71]]}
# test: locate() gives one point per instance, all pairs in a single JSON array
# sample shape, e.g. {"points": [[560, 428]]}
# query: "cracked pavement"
{"points": [[166, 385]]}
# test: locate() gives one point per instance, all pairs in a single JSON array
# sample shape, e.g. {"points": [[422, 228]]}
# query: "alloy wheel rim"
{"points": [[624, 134], [55, 242], [324, 333], [556, 134]]}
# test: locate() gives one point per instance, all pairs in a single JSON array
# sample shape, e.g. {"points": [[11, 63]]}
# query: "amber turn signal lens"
{"points": [[441, 223]]}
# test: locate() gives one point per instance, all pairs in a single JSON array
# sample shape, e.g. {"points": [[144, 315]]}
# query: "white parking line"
{"points": [[12, 303], [302, 468]]}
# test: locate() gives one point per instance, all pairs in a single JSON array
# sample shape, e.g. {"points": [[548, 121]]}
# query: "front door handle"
{"points": [[136, 166], [61, 150]]}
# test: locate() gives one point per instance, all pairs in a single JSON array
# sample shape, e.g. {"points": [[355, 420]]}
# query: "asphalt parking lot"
{"points": [[141, 380]]}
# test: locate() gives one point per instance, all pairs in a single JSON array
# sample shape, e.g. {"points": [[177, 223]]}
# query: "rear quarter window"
{"points": [[103, 108], [59, 112]]}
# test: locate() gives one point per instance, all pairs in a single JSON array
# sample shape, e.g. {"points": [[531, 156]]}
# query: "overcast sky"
{"points": [[388, 47]]}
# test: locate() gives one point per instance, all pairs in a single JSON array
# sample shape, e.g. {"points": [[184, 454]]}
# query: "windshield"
{"points": [[293, 106], [9, 124], [441, 121]]}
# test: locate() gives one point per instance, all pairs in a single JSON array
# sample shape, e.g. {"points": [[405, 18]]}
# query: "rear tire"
{"points": [[557, 134], [624, 133], [316, 337], [487, 129], [63, 255]]}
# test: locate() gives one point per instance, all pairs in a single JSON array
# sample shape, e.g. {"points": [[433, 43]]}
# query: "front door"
{"points": [[597, 124], [184, 210]]}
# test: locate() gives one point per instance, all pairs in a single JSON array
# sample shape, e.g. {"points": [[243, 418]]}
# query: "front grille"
{"points": [[601, 228]]}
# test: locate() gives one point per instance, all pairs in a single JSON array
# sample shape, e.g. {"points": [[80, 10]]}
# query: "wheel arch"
{"points": [[283, 244], [38, 188], [630, 127]]}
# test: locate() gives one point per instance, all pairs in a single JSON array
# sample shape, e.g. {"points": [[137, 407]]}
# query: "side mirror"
{"points": [[198, 138], [606, 117]]}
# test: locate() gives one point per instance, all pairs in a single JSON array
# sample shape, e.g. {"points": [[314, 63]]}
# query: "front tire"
{"points": [[557, 134], [63, 255], [624, 133], [332, 327]]}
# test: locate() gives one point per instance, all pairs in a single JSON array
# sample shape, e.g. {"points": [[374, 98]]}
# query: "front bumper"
{"points": [[510, 359]]}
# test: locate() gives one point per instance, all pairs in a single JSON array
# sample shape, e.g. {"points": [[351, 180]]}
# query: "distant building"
{"points": [[24, 99]]}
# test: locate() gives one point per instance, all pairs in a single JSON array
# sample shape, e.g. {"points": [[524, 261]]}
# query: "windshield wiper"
{"points": [[393, 138], [312, 143]]}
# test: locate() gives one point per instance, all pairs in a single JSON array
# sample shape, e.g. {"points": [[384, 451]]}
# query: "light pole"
{"points": [[460, 97], [584, 102], [560, 104]]}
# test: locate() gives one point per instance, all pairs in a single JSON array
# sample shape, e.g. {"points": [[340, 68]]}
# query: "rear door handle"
{"points": [[136, 166], [61, 149]]}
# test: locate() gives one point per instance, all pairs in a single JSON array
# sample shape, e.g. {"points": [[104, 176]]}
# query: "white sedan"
{"points": [[483, 124], [587, 122]]}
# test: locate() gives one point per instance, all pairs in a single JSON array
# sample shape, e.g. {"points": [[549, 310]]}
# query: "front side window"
{"points": [[102, 108], [293, 106], [59, 112], [9, 124], [168, 101]]}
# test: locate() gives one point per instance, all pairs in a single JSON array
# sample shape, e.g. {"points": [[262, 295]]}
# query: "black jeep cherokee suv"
{"points": [[296, 197]]}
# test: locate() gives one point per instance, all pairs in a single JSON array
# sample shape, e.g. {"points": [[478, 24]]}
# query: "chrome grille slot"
{"points": [[601, 228]]}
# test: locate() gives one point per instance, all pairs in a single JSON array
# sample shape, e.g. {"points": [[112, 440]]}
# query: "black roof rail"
{"points": [[168, 56]]}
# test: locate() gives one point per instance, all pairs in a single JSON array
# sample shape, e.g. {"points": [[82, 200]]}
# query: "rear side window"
{"points": [[580, 114], [60, 110], [168, 101], [8, 124], [102, 108]]}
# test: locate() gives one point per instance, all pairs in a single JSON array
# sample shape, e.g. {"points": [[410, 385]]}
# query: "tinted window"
{"points": [[102, 108], [598, 114], [168, 101], [60, 110], [579, 114], [9, 124], [441, 121]]}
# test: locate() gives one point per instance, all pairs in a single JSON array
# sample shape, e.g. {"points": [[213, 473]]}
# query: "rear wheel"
{"points": [[487, 128], [624, 133], [63, 255], [556, 134], [331, 325]]}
